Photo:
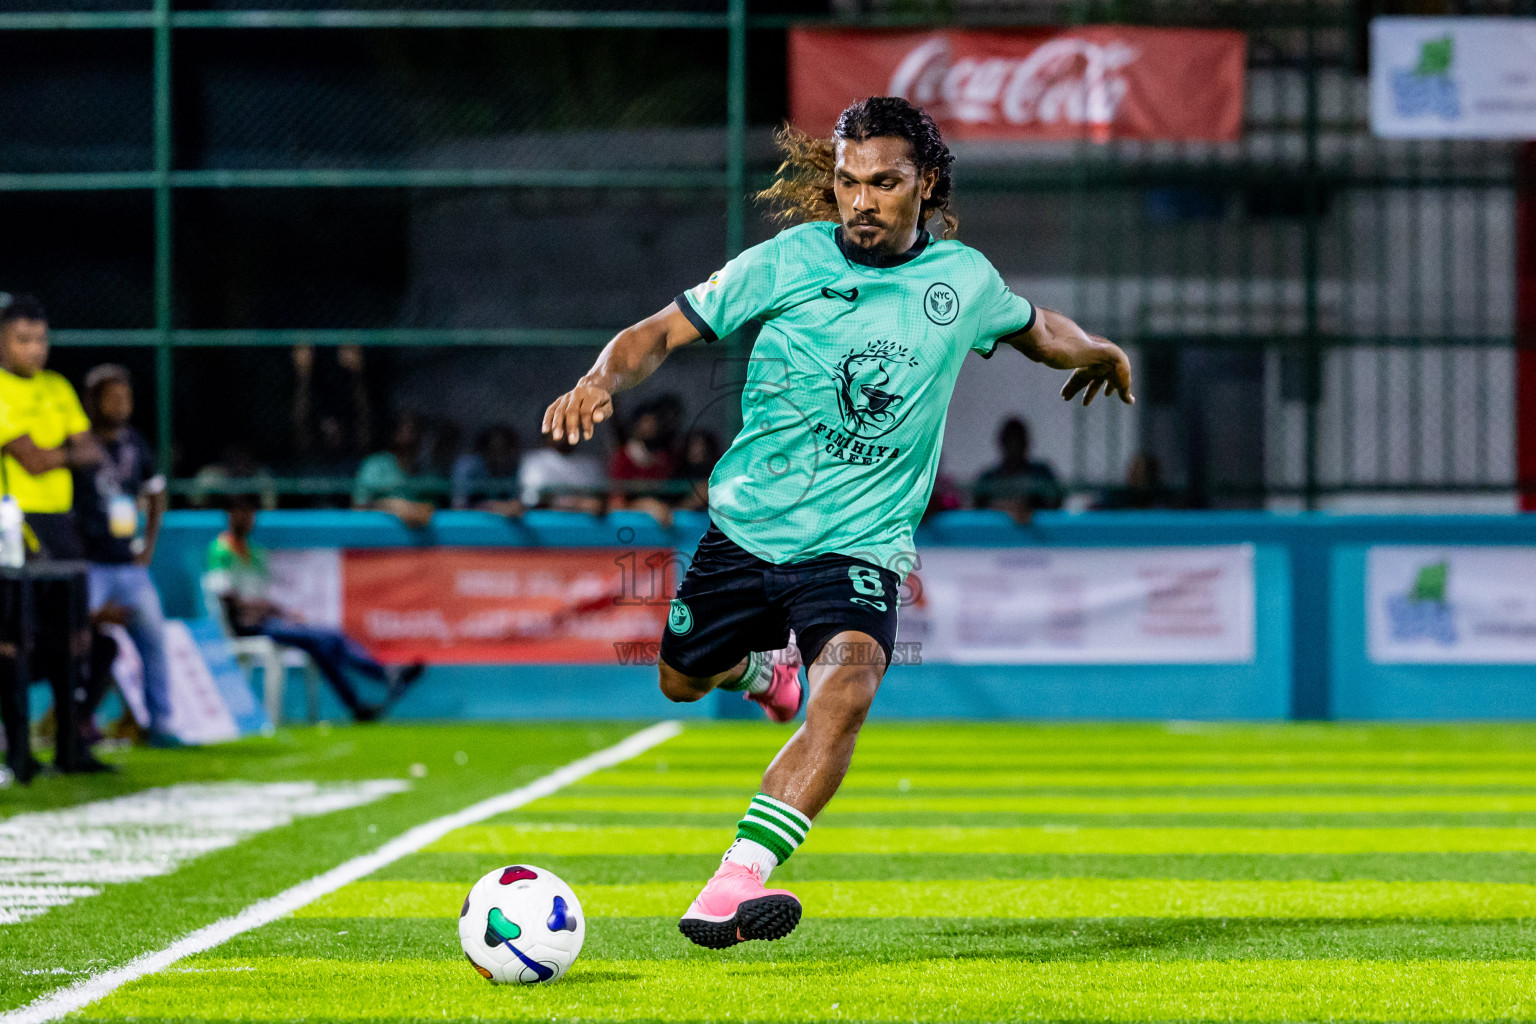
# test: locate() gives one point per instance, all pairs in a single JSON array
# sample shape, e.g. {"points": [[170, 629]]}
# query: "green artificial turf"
{"points": [[967, 873], [132, 918]]}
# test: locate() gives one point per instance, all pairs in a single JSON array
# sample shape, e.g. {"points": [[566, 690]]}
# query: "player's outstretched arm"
{"points": [[632, 355], [1096, 363]]}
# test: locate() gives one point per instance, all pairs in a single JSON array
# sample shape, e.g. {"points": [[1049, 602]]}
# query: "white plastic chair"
{"points": [[272, 658]]}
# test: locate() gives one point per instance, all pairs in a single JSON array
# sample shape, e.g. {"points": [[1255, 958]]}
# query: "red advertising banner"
{"points": [[1097, 82], [499, 605]]}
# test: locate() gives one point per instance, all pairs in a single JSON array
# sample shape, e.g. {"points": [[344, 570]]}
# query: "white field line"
{"points": [[49, 858], [83, 993]]}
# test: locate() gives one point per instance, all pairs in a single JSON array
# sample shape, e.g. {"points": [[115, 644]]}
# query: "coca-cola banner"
{"points": [[1095, 82]]}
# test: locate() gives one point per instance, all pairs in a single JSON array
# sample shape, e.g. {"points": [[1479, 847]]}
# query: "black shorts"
{"points": [[731, 602]]}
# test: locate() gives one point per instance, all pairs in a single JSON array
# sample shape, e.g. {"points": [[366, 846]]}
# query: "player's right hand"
{"points": [[573, 415]]}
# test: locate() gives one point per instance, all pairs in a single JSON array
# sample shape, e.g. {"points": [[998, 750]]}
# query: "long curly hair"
{"points": [[803, 191]]}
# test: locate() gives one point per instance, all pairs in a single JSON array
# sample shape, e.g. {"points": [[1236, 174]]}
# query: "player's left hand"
{"points": [[1110, 371]]}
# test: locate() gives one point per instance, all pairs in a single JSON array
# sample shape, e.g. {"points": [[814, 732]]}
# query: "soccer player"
{"points": [[864, 321]]}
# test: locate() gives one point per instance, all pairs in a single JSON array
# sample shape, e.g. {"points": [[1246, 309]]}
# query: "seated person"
{"points": [[237, 571], [384, 480], [237, 469], [701, 450], [556, 477], [1143, 488], [330, 413], [643, 457], [486, 477], [1018, 485]]}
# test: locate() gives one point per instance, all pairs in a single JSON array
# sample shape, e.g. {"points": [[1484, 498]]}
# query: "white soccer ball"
{"points": [[521, 925]]}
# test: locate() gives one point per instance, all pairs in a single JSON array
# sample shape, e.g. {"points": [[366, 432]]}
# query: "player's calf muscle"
{"points": [[808, 771], [841, 702]]}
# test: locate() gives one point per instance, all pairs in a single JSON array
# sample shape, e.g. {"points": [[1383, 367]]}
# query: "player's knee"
{"points": [[678, 688]]}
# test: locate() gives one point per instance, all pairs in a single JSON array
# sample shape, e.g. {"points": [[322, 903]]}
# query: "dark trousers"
{"points": [[333, 652], [16, 626], [45, 630]]}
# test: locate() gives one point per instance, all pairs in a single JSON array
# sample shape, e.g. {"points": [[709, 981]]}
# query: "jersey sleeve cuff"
{"points": [[701, 325], [1033, 315]]}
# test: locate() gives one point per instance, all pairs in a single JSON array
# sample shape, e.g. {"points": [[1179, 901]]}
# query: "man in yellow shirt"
{"points": [[44, 434]]}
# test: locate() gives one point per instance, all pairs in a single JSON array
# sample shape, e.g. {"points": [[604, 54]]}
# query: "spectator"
{"points": [[486, 478], [1018, 484], [44, 435], [237, 574], [330, 440], [643, 457], [331, 459], [668, 409], [946, 497], [445, 442], [701, 450], [108, 497], [237, 467], [1143, 488], [553, 477], [384, 480]]}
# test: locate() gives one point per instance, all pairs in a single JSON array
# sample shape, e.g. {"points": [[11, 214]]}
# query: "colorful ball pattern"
{"points": [[522, 925]]}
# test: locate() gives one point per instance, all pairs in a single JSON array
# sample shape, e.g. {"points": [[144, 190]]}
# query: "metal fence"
{"points": [[478, 192]]}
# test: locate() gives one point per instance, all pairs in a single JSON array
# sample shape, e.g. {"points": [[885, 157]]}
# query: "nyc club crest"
{"points": [[941, 304]]}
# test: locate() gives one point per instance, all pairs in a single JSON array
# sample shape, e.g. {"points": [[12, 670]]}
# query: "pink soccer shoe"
{"points": [[734, 907], [782, 698]]}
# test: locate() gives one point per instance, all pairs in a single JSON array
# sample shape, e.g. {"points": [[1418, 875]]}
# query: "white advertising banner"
{"points": [[1451, 605], [1453, 78], [307, 582], [128, 673], [199, 711], [1040, 606]]}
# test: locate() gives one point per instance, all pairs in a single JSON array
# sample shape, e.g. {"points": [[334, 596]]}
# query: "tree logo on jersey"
{"points": [[679, 617], [941, 304], [864, 396]]}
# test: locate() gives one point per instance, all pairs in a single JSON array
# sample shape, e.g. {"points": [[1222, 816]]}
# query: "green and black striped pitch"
{"points": [[974, 873]]}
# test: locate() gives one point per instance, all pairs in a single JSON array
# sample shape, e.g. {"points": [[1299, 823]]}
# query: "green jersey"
{"points": [[847, 388], [229, 573]]}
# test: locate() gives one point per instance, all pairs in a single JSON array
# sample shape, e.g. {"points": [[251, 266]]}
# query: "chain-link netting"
{"points": [[1311, 309], [448, 100], [89, 255], [75, 101]]}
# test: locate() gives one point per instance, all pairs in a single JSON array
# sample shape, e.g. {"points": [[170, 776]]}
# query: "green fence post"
{"points": [[736, 172], [1312, 356], [736, 127], [163, 313]]}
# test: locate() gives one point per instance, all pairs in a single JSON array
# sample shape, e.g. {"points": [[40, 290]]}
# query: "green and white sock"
{"points": [[756, 677], [765, 838]]}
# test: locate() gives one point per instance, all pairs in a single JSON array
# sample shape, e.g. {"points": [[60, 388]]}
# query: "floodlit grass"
{"points": [[673, 802], [596, 840], [126, 920], [968, 873], [972, 897], [940, 989]]}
